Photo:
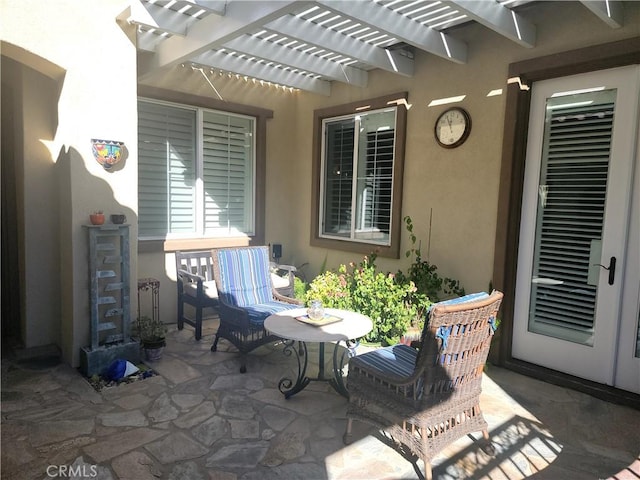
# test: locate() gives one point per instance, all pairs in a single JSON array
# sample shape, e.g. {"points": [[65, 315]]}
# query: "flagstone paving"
{"points": [[199, 418]]}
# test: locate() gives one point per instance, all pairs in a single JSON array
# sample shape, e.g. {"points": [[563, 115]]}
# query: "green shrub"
{"points": [[299, 288], [374, 294], [393, 302], [331, 288]]}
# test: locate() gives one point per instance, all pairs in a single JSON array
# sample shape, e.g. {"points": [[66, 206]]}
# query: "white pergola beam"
{"points": [[313, 34], [167, 20], [609, 11], [270, 51], [500, 19], [148, 42], [401, 27], [211, 6], [242, 66], [214, 30]]}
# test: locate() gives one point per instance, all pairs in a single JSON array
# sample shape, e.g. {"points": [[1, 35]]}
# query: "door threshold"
{"points": [[597, 390]]}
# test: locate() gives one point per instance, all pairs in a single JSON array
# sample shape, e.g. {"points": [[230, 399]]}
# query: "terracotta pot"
{"points": [[96, 218]]}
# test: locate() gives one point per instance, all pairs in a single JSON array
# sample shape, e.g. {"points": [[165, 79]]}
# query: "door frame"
{"points": [[514, 146]]}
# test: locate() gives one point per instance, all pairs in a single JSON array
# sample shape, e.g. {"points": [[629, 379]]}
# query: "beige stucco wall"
{"points": [[95, 67]]}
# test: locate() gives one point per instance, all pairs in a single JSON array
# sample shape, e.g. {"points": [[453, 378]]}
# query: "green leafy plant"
{"points": [[150, 330], [299, 288], [424, 274], [394, 302], [375, 294]]}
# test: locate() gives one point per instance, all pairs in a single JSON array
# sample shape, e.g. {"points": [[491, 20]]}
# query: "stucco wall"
{"points": [[95, 69]]}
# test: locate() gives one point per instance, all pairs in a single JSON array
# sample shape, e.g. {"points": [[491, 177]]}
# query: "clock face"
{"points": [[453, 127]]}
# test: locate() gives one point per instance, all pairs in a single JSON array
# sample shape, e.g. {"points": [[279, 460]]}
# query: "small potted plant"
{"points": [[152, 336], [97, 217]]}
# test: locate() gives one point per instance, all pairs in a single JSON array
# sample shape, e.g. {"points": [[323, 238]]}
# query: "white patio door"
{"points": [[576, 305]]}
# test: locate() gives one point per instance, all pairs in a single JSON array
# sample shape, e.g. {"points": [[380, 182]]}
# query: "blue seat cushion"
{"points": [[472, 297], [260, 311], [397, 360]]}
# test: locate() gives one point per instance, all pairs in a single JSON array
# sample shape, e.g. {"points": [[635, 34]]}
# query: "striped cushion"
{"points": [[260, 311], [244, 276], [472, 297], [398, 360]]}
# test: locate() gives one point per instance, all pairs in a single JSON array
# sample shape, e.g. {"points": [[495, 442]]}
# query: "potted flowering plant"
{"points": [[152, 334], [97, 217]]}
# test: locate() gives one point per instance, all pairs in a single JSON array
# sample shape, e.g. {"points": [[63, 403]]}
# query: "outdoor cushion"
{"points": [[260, 311], [245, 276]]}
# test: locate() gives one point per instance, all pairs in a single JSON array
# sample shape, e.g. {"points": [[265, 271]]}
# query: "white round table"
{"points": [[349, 329]]}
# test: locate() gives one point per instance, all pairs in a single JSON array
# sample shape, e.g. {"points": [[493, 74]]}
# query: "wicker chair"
{"points": [[427, 398], [246, 298]]}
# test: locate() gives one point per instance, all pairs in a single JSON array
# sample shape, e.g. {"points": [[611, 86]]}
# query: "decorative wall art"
{"points": [[107, 152]]}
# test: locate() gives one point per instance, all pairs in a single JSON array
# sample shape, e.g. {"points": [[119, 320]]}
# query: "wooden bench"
{"points": [[197, 287]]}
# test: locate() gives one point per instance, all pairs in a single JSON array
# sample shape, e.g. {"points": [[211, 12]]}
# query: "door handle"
{"points": [[611, 269]]}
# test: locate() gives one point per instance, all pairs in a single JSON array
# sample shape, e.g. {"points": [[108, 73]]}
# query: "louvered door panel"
{"points": [[572, 196]]}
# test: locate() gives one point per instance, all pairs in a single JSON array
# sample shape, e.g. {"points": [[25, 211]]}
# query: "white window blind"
{"points": [[572, 194], [166, 169], [228, 173], [196, 172]]}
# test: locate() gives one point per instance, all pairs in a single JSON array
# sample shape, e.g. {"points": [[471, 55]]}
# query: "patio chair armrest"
{"points": [[282, 298], [288, 268], [192, 277]]}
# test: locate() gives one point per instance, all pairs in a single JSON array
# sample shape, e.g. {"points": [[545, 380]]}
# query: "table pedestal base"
{"points": [[287, 385]]}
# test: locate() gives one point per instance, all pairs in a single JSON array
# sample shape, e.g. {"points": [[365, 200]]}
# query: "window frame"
{"points": [[318, 239], [261, 116]]}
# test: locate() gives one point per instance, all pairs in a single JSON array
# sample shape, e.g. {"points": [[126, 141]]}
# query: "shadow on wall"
{"points": [[81, 193]]}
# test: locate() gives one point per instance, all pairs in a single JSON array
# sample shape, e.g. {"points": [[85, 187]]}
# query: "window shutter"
{"points": [[166, 170], [572, 196], [228, 174], [379, 176], [338, 178]]}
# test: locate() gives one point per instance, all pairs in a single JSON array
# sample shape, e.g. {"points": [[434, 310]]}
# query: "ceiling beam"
{"points": [[214, 30], [271, 51], [211, 6], [401, 27], [500, 19], [167, 20], [262, 71], [313, 34], [147, 41], [609, 11]]}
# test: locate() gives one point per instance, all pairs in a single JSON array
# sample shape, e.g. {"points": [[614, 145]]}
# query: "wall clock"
{"points": [[452, 127]]}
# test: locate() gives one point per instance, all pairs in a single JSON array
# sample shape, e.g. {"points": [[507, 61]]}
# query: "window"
{"points": [[358, 176], [196, 172]]}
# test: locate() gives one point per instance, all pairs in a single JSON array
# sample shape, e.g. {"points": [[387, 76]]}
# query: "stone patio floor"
{"points": [[200, 419]]}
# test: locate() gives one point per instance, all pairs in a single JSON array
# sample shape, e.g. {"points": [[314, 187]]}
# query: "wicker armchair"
{"points": [[246, 297], [427, 398]]}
